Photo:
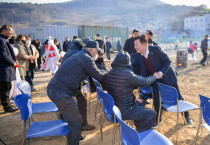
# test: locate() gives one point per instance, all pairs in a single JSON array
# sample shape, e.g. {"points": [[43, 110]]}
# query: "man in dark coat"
{"points": [[66, 43], [149, 35], [108, 48], [66, 84], [76, 47], [129, 44], [8, 65], [120, 83], [204, 49], [152, 59], [119, 47]]}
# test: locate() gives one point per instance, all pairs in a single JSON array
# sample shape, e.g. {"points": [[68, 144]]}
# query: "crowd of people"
{"points": [[141, 62]]}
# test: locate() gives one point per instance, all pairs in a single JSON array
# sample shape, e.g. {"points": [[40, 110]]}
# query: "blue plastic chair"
{"points": [[107, 105], [97, 84], [146, 92], [25, 88], [130, 136], [38, 129], [205, 112], [169, 97]]}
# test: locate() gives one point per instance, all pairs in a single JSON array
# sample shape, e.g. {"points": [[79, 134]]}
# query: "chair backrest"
{"points": [[129, 135], [97, 84], [205, 105], [24, 87], [108, 101], [24, 103], [168, 94], [146, 90]]}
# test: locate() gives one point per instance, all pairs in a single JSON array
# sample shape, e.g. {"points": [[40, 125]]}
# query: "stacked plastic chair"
{"points": [[98, 97], [107, 105], [130, 136], [38, 129], [169, 97], [205, 114], [25, 88]]}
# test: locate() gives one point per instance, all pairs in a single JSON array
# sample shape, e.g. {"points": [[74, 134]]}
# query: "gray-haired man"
{"points": [[65, 85]]}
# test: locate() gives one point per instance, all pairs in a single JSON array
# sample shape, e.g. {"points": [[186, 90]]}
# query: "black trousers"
{"points": [[82, 107], [4, 94], [144, 118], [204, 56], [39, 59], [156, 101], [70, 113], [30, 74]]}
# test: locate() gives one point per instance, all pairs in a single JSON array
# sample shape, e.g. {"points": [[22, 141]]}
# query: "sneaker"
{"points": [[10, 109], [82, 138], [188, 120], [155, 125], [88, 127]]}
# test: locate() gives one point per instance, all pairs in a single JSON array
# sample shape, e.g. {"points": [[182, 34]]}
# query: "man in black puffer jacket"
{"points": [[120, 83], [66, 84]]}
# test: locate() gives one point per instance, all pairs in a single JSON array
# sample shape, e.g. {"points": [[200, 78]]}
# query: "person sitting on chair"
{"points": [[120, 83]]}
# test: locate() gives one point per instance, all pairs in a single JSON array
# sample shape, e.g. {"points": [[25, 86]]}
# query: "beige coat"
{"points": [[36, 54], [23, 58]]}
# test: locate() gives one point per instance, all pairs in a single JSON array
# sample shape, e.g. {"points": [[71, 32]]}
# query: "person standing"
{"points": [[31, 50], [149, 35], [192, 49], [8, 65], [176, 44], [152, 59], [38, 45], [204, 48], [52, 56], [119, 47], [108, 48], [66, 84], [23, 57], [66, 43], [129, 44]]}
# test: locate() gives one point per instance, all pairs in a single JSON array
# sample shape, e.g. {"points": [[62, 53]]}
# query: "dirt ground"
{"points": [[192, 81]]}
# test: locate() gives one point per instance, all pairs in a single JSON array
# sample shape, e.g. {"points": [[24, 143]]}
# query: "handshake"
{"points": [[158, 75]]}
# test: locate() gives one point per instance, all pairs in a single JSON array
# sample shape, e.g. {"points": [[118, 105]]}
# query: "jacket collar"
{"points": [[4, 36], [147, 53]]}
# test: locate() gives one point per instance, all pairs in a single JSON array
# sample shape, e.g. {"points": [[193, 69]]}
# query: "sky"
{"points": [[173, 2]]}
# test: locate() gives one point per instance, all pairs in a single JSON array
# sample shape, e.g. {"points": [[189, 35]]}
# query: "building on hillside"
{"points": [[197, 26]]}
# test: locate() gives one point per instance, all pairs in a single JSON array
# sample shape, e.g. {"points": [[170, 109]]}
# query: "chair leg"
{"points": [[159, 111], [89, 100], [97, 102], [199, 125], [65, 140], [101, 126], [177, 122], [114, 130]]}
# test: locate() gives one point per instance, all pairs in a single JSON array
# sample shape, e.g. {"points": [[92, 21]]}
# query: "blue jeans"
{"points": [[69, 110]]}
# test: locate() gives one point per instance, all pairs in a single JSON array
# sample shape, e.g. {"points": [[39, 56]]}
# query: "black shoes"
{"points": [[188, 120], [33, 90], [82, 138], [10, 109]]}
